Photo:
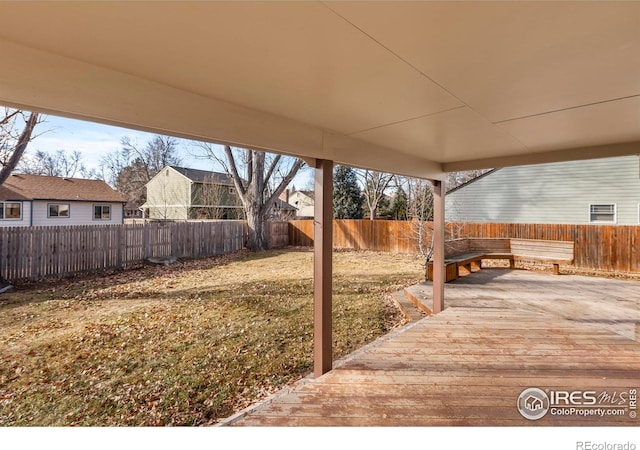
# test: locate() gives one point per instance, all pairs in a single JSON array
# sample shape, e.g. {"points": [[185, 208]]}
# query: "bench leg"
{"points": [[477, 265], [512, 264], [464, 269], [556, 269]]}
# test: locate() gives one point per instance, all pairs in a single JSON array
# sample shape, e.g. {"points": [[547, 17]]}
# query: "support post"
{"points": [[322, 267], [438, 245]]}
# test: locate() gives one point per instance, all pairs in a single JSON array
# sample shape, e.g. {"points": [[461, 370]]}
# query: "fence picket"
{"points": [[38, 252]]}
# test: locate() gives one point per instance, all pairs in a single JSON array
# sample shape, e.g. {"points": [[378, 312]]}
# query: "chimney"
{"points": [[285, 195]]}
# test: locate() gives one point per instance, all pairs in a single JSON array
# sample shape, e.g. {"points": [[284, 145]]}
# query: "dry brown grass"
{"points": [[187, 344]]}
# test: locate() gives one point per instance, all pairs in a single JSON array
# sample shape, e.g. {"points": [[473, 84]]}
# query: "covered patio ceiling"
{"points": [[416, 88]]}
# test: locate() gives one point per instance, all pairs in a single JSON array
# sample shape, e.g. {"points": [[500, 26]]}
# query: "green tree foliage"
{"points": [[347, 195], [399, 209]]}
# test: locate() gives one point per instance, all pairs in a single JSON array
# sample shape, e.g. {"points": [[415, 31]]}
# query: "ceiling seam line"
{"points": [[405, 120], [566, 109], [400, 58]]}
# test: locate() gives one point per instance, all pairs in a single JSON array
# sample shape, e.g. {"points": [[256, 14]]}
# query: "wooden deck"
{"points": [[503, 331]]}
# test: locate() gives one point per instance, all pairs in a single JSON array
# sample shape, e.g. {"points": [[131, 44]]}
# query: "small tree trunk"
{"points": [[255, 222]]}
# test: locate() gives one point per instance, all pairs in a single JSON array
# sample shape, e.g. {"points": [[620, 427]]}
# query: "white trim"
{"points": [[604, 222], [3, 218], [102, 205], [49, 216]]}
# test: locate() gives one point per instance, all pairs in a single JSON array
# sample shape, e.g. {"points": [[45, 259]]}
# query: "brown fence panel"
{"points": [[277, 234], [599, 247], [39, 252]]}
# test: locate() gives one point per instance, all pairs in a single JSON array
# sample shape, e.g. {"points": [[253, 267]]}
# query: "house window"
{"points": [[10, 211], [58, 210], [232, 190], [602, 213], [101, 212]]}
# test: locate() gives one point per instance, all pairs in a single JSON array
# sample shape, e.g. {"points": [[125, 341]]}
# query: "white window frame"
{"points": [[4, 209], [49, 205], [604, 222], [93, 212]]}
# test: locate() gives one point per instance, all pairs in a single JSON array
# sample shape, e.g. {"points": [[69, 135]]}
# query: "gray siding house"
{"points": [[37, 200], [597, 191], [179, 193]]}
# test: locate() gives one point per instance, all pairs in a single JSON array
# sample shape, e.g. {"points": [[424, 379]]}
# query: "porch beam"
{"points": [[438, 245], [322, 267]]}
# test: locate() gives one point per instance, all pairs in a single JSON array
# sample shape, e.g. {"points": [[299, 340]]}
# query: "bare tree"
{"points": [[131, 168], [374, 186], [455, 179], [420, 207], [58, 164], [16, 131], [215, 201], [259, 179]]}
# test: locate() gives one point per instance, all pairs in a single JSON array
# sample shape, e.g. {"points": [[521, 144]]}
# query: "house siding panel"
{"points": [[169, 196], [80, 213], [550, 193]]}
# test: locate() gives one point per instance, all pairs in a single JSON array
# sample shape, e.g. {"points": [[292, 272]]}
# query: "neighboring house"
{"points": [[36, 200], [283, 211], [178, 193], [132, 211], [597, 191], [302, 200]]}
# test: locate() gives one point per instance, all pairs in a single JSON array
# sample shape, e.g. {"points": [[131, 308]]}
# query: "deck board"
{"points": [[501, 333]]}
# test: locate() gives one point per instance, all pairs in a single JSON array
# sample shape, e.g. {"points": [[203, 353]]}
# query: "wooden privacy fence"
{"points": [[38, 252], [598, 247], [377, 235], [608, 248]]}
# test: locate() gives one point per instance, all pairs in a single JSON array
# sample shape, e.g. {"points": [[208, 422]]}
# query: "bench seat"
{"points": [[468, 252]]}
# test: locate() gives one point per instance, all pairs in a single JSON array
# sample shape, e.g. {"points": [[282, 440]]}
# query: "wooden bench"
{"points": [[463, 255]]}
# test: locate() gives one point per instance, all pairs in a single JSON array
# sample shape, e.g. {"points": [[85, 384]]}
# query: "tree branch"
{"points": [[21, 146], [272, 167], [233, 170], [284, 183]]}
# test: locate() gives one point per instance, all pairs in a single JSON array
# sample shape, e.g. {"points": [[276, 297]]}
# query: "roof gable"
{"points": [[39, 187], [204, 176]]}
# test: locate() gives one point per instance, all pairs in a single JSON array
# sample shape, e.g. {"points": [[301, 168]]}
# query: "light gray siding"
{"points": [[550, 193], [304, 204], [80, 213], [169, 195]]}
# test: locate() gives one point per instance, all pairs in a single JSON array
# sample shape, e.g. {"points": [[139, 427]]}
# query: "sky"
{"points": [[94, 141]]}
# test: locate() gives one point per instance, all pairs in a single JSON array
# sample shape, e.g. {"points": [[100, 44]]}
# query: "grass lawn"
{"points": [[187, 344]]}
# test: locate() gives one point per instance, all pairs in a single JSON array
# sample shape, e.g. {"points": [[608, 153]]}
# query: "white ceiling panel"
{"points": [[454, 135], [423, 85], [513, 59], [298, 59], [580, 127]]}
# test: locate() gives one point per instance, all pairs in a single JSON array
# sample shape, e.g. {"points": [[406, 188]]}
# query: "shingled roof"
{"points": [[202, 176], [39, 187]]}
